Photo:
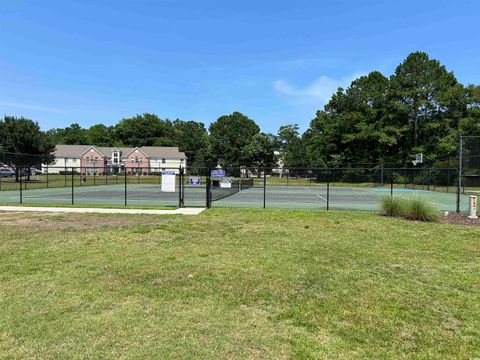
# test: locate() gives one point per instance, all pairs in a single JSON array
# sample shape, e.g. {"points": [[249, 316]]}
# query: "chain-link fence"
{"points": [[339, 188], [342, 188], [469, 165]]}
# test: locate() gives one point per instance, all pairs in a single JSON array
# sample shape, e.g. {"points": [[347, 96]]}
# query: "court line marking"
{"points": [[320, 196]]}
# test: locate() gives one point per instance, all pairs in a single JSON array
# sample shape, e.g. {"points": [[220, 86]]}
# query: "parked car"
{"points": [[7, 172]]}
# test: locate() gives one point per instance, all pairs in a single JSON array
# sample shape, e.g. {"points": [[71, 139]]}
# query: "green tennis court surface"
{"points": [[339, 198], [290, 197]]}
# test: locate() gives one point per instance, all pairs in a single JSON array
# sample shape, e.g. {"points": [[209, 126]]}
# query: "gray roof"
{"points": [[107, 151], [163, 152], [75, 151], [70, 151]]}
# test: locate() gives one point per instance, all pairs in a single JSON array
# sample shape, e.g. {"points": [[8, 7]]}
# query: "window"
{"points": [[88, 158], [115, 157], [164, 161]]}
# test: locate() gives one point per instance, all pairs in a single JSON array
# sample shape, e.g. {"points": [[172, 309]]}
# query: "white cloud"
{"points": [[318, 91], [32, 107]]}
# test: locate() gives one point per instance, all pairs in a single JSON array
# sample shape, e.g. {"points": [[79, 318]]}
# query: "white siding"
{"points": [[60, 164], [169, 164]]}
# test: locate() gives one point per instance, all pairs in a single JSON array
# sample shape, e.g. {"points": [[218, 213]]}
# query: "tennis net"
{"points": [[218, 192], [246, 184]]}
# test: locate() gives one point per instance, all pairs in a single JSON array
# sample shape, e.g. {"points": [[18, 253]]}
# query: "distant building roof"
{"points": [[108, 150], [75, 151], [163, 152], [70, 151]]}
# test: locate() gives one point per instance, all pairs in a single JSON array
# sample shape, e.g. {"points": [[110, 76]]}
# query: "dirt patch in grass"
{"points": [[460, 219], [74, 221]]}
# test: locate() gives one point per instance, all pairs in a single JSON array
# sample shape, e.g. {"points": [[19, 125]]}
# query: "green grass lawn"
{"points": [[237, 284]]}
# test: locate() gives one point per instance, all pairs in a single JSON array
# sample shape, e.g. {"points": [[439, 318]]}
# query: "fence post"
{"points": [[428, 177], [73, 184], [264, 188], [423, 178], [448, 177], [381, 174], [125, 185], [459, 172], [391, 183], [180, 188], [65, 175], [414, 174], [21, 194], [328, 190], [207, 195]]}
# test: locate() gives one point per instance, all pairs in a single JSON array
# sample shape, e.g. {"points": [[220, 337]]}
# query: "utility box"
{"points": [[473, 207]]}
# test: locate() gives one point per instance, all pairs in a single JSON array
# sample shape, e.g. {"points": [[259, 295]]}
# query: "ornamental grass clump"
{"points": [[412, 208], [417, 208], [391, 205]]}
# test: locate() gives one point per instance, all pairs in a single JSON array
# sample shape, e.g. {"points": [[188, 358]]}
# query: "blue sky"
{"points": [[276, 61]]}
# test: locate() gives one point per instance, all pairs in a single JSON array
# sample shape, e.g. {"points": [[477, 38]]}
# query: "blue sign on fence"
{"points": [[219, 173], [195, 180]]}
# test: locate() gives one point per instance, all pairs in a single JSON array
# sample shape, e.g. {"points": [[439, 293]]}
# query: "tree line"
{"points": [[420, 108]]}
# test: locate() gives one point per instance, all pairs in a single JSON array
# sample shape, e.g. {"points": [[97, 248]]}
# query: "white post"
{"points": [[473, 207]]}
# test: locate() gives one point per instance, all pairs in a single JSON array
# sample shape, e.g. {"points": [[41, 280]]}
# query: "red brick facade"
{"points": [[137, 162], [92, 162]]}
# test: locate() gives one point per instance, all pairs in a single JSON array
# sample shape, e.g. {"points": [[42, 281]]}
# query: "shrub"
{"points": [[417, 208], [391, 205]]}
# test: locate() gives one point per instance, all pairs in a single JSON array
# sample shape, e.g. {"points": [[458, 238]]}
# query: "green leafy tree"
{"points": [[192, 138], [145, 130], [71, 135], [470, 121], [101, 135], [23, 144], [354, 127], [291, 146], [419, 93], [229, 135], [260, 151]]}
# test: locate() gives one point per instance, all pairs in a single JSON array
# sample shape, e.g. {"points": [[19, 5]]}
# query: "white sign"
{"points": [[226, 184], [168, 181]]}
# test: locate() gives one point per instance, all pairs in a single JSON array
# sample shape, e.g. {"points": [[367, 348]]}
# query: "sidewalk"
{"points": [[181, 211]]}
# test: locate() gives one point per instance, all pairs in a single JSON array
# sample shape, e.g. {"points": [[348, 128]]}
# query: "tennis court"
{"points": [[337, 198], [292, 197]]}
